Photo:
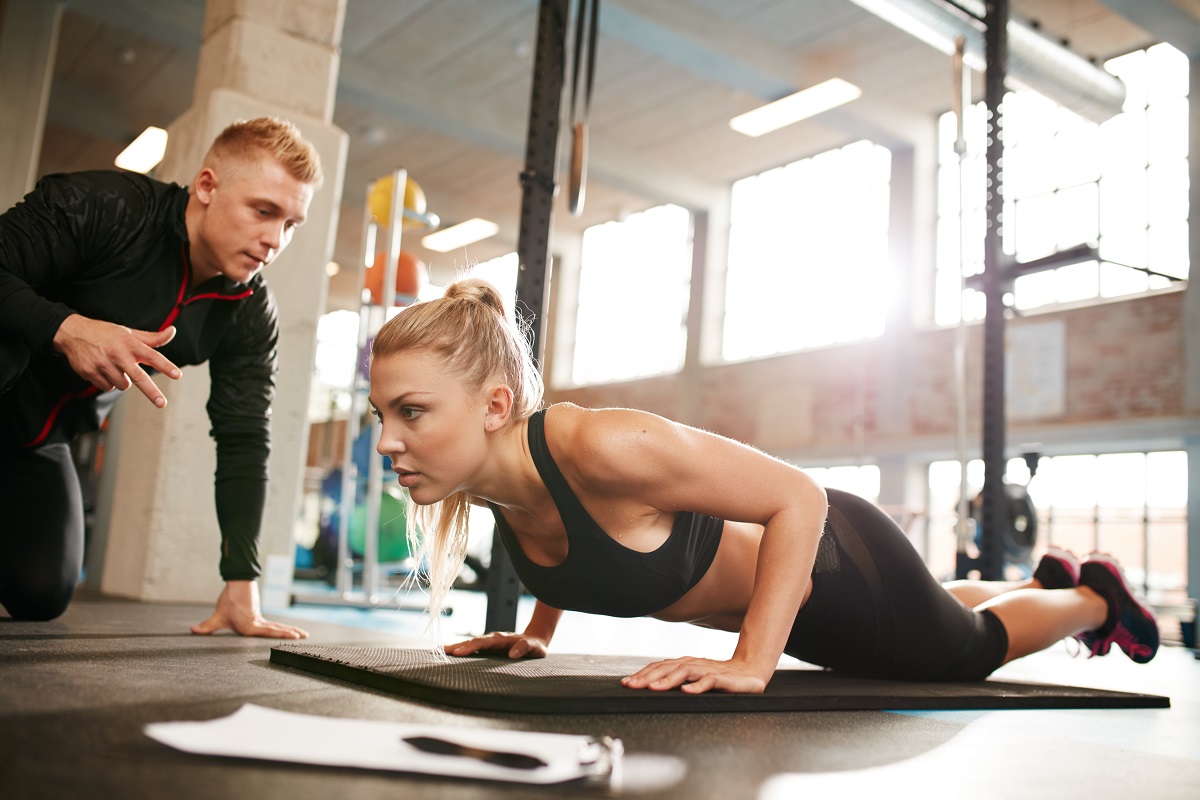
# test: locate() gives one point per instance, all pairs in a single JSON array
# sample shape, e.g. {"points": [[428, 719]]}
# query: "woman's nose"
{"points": [[388, 443]]}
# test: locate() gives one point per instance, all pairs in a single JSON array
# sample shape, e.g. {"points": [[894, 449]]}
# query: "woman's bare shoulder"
{"points": [[597, 429], [606, 442]]}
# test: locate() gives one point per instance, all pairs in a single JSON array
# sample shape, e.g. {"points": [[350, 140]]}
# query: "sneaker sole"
{"points": [[1067, 562]]}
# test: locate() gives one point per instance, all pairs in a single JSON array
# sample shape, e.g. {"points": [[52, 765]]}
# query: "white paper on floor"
{"points": [[257, 732]]}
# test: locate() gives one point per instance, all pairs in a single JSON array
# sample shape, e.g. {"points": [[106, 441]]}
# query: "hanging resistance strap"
{"points": [[586, 25]]}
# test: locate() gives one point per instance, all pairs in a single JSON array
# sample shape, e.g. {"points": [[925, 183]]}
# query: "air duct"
{"points": [[1034, 60]]}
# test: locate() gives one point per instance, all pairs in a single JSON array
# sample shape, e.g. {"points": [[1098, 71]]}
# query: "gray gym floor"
{"points": [[75, 694]]}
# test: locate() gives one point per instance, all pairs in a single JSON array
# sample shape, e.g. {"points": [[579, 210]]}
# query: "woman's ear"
{"points": [[499, 407]]}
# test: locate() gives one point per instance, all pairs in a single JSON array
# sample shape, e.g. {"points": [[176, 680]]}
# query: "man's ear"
{"points": [[204, 185], [499, 407]]}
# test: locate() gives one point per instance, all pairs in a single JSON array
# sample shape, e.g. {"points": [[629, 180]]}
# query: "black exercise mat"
{"points": [[589, 684]]}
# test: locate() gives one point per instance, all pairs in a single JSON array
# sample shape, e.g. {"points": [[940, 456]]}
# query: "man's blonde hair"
{"points": [[277, 138]]}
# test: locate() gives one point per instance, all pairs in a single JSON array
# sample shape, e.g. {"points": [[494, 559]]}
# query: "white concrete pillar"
{"points": [[894, 363], [903, 479], [691, 376], [28, 44], [559, 356], [903, 493], [1191, 344], [1191, 301], [277, 59], [718, 209]]}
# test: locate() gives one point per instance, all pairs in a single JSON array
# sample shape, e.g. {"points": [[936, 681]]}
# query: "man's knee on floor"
{"points": [[36, 601]]}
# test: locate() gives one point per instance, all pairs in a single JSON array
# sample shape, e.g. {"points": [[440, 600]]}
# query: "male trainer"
{"points": [[103, 273]]}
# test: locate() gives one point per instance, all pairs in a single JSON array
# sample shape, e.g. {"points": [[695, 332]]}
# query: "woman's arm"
{"points": [[673, 467], [784, 567], [781, 582]]}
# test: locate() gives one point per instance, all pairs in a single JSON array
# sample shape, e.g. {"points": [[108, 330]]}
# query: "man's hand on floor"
{"points": [[238, 610]]}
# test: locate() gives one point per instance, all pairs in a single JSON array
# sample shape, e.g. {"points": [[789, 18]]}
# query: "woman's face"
{"points": [[433, 424]]}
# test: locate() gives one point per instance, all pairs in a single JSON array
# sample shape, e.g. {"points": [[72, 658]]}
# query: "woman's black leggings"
{"points": [[41, 530], [876, 610]]}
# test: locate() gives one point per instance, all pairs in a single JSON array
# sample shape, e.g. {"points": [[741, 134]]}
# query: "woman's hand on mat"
{"points": [[517, 645], [696, 676], [237, 610]]}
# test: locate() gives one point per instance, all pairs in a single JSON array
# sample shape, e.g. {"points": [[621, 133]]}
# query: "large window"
{"points": [[808, 254], [1132, 505], [1121, 185], [861, 480], [633, 297], [501, 272]]}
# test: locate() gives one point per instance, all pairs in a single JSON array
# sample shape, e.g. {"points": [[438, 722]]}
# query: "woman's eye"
{"points": [[378, 417], [408, 412]]}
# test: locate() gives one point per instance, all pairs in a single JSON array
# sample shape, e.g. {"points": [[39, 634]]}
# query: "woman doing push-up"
{"points": [[625, 513]]}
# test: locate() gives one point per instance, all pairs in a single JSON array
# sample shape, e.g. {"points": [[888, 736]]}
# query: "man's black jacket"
{"points": [[113, 246]]}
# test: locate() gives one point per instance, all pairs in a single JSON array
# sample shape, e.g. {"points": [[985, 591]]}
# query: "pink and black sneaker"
{"points": [[1057, 569], [1130, 625]]}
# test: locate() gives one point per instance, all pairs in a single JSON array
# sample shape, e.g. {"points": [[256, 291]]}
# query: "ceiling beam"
{"points": [[705, 44], [724, 52], [437, 109], [432, 107], [177, 23], [74, 108], [426, 105], [1174, 21]]}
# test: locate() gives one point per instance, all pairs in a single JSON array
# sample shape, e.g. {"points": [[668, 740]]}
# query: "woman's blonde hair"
{"points": [[274, 137], [472, 332]]}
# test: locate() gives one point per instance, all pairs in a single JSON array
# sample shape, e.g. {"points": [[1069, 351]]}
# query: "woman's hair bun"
{"points": [[476, 289]]}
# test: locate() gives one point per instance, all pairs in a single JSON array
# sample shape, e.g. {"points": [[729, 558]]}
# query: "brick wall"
{"points": [[1124, 360]]}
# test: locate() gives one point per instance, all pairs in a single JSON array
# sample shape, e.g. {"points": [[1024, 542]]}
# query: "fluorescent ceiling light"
{"points": [[464, 233], [144, 153], [795, 107]]}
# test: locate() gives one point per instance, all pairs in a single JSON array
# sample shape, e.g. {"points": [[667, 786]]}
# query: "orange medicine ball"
{"points": [[411, 275]]}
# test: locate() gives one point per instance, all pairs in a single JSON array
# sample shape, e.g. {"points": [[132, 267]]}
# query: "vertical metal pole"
{"points": [[1191, 445], [995, 505], [370, 319], [375, 461], [533, 244], [345, 562], [960, 100], [1145, 528]]}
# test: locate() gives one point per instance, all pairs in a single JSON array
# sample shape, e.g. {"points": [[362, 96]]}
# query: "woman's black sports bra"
{"points": [[599, 575]]}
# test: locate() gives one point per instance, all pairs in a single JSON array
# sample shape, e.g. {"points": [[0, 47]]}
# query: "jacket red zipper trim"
{"points": [[179, 303], [187, 278], [217, 296]]}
